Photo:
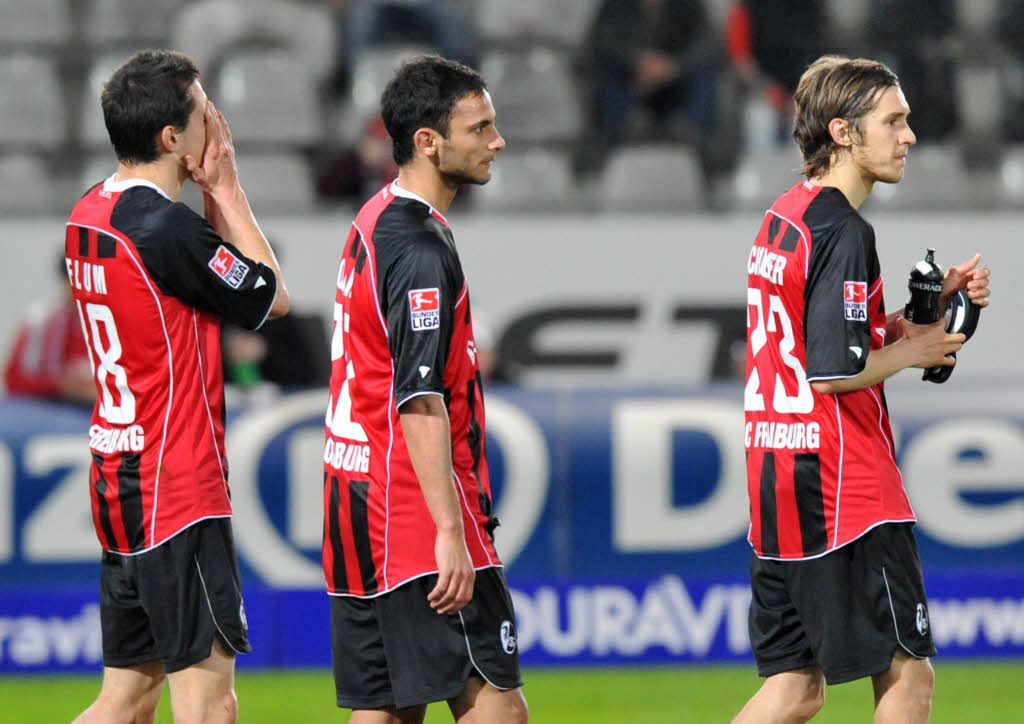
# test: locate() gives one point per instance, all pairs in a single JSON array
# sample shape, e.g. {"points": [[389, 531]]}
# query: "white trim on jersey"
{"points": [[405, 193], [402, 583], [417, 394], [373, 280], [118, 186], [831, 550], [387, 471], [206, 402], [807, 249], [892, 454], [476, 526], [170, 370], [182, 529], [839, 475]]}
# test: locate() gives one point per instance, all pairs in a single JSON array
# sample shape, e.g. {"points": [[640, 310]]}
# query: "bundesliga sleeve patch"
{"points": [[855, 301], [229, 267], [425, 309]]}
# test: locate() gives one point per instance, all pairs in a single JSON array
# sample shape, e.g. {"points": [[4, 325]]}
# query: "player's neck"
{"points": [[428, 184], [846, 176], [164, 172]]}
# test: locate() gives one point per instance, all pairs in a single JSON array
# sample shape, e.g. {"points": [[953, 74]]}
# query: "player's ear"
{"points": [[168, 139], [839, 129], [426, 141]]}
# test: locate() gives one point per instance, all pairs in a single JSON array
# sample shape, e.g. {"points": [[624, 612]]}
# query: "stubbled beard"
{"points": [[458, 178]]}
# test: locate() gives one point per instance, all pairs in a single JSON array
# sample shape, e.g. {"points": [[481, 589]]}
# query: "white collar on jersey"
{"points": [[405, 193], [118, 186]]}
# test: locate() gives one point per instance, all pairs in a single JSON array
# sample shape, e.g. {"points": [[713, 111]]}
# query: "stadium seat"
{"points": [[1011, 176], [562, 23], [651, 178], [534, 180], [93, 132], [534, 95], [28, 186], [268, 97], [39, 22], [848, 18], [276, 182], [977, 18], [763, 175], [372, 71], [33, 112], [143, 24], [935, 179], [980, 94]]}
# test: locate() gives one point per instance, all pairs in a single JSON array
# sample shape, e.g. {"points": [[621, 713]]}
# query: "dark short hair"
{"points": [[834, 87], [147, 92], [423, 93]]}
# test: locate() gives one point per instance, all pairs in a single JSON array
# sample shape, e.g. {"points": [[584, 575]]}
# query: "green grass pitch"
{"points": [[965, 693]]}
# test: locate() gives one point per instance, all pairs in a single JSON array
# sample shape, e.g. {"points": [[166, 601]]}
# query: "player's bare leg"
{"points": [[481, 703], [791, 697], [205, 693], [128, 695], [904, 692], [408, 715]]}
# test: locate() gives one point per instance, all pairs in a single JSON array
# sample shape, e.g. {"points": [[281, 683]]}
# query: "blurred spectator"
{"points": [[770, 44], [1011, 32], [919, 46], [49, 358], [657, 56], [205, 29], [290, 352], [441, 24], [355, 174]]}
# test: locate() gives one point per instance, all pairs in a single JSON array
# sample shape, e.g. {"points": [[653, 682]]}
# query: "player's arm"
{"points": [[924, 345], [428, 438], [226, 206], [418, 296]]}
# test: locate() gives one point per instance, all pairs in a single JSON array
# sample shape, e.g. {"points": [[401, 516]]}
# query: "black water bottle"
{"points": [[925, 287]]}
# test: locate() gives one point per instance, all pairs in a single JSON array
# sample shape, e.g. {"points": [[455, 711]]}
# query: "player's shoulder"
{"points": [[407, 227], [146, 216], [831, 216]]}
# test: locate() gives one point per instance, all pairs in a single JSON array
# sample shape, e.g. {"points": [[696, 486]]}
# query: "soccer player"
{"points": [[838, 592], [152, 280], [420, 609]]}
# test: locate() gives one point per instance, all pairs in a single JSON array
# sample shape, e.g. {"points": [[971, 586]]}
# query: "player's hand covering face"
{"points": [[217, 169]]}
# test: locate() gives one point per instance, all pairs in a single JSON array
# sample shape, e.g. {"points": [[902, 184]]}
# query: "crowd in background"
{"points": [[575, 83]]}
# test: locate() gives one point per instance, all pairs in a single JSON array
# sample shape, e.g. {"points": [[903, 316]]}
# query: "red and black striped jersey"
{"points": [[151, 280], [821, 469], [402, 327]]}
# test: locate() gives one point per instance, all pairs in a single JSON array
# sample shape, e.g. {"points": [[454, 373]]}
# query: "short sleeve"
{"points": [[204, 270], [419, 295], [841, 272]]}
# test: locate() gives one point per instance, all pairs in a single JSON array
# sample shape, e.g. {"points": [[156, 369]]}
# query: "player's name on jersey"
{"points": [[351, 457], [767, 264], [783, 435], [87, 276], [126, 439]]}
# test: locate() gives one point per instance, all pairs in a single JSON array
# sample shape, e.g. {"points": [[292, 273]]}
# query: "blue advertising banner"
{"points": [[624, 517], [667, 619]]}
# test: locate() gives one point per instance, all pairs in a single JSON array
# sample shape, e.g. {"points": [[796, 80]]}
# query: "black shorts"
{"points": [[395, 651], [846, 613], [168, 603]]}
